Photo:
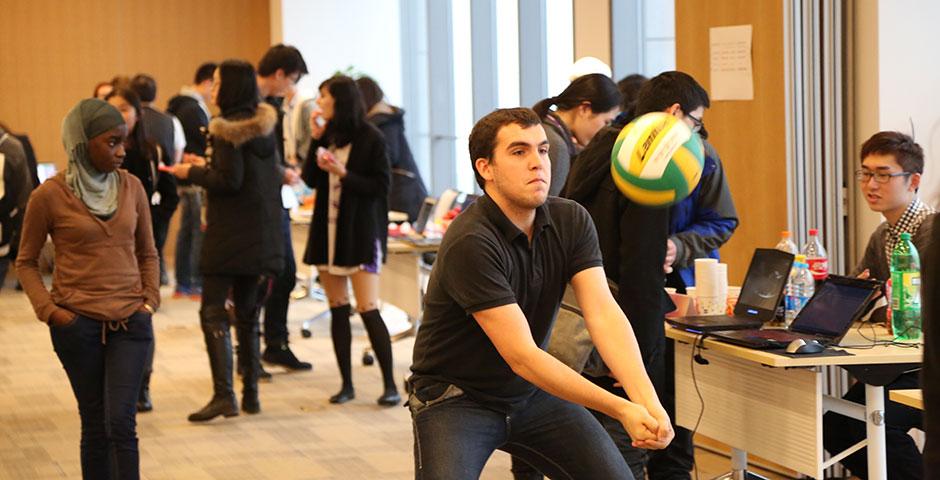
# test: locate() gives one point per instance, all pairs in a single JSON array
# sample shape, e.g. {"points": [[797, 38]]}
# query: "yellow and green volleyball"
{"points": [[657, 160]]}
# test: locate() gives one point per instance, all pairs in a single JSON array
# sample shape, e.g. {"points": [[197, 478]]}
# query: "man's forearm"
{"points": [[546, 372], [616, 342]]}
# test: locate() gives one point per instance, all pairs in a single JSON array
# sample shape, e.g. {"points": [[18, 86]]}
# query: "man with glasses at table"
{"points": [[890, 174]]}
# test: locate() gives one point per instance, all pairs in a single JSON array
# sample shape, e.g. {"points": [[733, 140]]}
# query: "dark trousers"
{"points": [[275, 308], [245, 291], [904, 459], [676, 460], [161, 228], [105, 378], [455, 435], [4, 268], [189, 239]]}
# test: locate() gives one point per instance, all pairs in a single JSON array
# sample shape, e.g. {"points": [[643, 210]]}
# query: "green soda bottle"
{"points": [[905, 290]]}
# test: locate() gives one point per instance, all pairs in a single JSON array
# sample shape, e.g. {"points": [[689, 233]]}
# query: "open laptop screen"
{"points": [[834, 307], [765, 280]]}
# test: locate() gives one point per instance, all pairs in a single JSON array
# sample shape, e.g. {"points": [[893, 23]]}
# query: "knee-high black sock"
{"points": [[381, 344], [342, 342]]}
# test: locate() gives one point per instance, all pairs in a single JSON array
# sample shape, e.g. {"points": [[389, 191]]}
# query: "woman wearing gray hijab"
{"points": [[105, 287]]}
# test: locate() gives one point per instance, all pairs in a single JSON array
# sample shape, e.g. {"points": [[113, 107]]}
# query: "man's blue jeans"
{"points": [[105, 364], [455, 436], [189, 239]]}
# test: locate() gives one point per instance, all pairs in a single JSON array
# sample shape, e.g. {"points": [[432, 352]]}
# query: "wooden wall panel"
{"points": [[749, 135], [53, 52], [592, 29]]}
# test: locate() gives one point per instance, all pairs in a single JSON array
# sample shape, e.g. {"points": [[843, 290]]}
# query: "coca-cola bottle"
{"points": [[816, 256]]}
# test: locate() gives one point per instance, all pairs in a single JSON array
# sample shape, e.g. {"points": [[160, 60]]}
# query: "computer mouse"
{"points": [[805, 346]]}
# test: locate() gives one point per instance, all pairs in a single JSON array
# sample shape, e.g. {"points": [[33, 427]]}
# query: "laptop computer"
{"points": [[826, 317], [424, 214], [758, 300]]}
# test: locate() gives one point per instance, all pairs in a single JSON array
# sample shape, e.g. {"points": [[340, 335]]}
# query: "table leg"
{"points": [[739, 468], [875, 430]]}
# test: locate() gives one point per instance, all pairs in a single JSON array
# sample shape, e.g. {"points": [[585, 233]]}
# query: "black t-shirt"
{"points": [[486, 262]]}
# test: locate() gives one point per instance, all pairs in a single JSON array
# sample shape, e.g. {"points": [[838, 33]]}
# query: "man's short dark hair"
{"points": [[484, 133], [905, 150], [204, 72], [145, 87], [282, 57], [629, 87], [667, 88]]}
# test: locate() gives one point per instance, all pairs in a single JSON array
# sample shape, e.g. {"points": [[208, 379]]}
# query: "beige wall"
{"points": [[747, 134], [865, 115], [54, 52], [592, 29]]}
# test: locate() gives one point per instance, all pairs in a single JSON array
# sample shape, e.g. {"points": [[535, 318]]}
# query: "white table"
{"points": [[772, 405]]}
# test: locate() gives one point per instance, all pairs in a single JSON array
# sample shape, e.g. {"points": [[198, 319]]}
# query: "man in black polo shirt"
{"points": [[492, 300]]}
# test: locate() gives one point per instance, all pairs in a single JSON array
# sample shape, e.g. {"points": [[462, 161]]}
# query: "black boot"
{"points": [[215, 330], [341, 333], [281, 354], [143, 398], [382, 346], [263, 375], [144, 403], [248, 358]]}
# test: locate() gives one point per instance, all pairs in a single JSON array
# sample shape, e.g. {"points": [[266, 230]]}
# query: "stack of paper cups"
{"points": [[711, 285]]}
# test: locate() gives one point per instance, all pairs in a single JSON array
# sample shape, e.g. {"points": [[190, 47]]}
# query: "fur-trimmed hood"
{"points": [[239, 131]]}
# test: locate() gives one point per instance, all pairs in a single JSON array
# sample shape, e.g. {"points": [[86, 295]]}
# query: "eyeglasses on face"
{"points": [[864, 176], [697, 124]]}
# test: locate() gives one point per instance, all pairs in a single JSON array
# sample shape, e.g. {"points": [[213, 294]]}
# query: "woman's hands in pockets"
{"points": [[62, 317]]}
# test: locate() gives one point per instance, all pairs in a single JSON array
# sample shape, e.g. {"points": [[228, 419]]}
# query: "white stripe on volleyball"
{"points": [[674, 137]]}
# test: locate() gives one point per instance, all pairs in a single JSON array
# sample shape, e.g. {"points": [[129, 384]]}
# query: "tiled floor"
{"points": [[298, 435]]}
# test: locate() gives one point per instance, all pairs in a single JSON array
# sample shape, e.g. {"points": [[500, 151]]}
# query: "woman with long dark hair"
{"points": [[105, 286], [588, 104], [407, 191], [141, 160], [348, 167], [242, 247]]}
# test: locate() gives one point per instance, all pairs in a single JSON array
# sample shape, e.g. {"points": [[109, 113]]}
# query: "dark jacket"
{"points": [[159, 129], [930, 379], [632, 238], [195, 124], [363, 211], [17, 185], [243, 217], [407, 190], [194, 120], [703, 221]]}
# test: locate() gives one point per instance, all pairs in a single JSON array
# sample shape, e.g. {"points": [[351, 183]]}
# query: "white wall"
{"points": [[896, 83], [909, 83], [335, 35]]}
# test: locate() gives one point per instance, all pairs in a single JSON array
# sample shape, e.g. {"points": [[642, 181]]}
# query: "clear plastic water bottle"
{"points": [[785, 244], [800, 288], [816, 256], [905, 290]]}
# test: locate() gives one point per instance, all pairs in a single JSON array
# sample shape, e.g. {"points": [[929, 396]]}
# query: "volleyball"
{"points": [[657, 160]]}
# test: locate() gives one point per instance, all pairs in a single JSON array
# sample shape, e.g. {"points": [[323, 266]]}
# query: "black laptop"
{"points": [[757, 303], [826, 318]]}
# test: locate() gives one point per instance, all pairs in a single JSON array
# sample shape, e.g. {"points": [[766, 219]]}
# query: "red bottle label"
{"points": [[819, 267]]}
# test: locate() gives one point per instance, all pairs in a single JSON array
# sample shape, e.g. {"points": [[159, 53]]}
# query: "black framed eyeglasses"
{"points": [[864, 176], [697, 124]]}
